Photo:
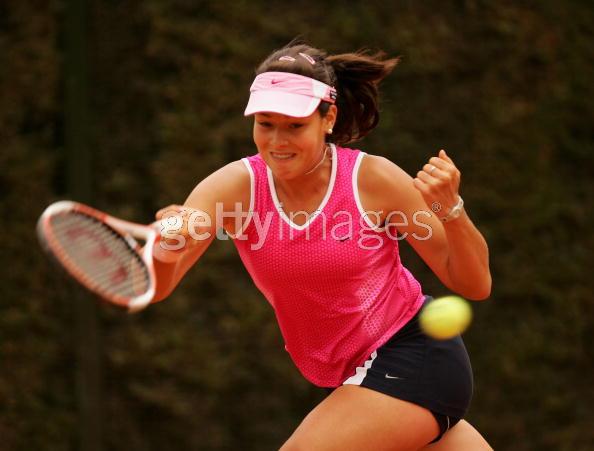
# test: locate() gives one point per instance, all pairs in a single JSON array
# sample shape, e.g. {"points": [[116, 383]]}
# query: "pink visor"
{"points": [[286, 93]]}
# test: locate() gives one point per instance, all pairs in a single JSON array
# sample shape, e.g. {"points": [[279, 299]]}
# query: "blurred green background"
{"points": [[151, 94]]}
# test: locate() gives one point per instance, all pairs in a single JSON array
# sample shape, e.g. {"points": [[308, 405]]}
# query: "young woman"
{"points": [[317, 226]]}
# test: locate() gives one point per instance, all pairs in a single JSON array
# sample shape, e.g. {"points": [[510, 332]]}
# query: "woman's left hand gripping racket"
{"points": [[101, 252]]}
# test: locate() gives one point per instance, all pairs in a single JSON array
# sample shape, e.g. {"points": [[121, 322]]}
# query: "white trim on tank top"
{"points": [[252, 196], [362, 211], [318, 210]]}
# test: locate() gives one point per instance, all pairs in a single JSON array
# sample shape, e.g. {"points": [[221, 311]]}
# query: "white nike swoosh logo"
{"points": [[393, 377]]}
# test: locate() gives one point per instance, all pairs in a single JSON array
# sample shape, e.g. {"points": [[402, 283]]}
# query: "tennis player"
{"points": [[317, 225]]}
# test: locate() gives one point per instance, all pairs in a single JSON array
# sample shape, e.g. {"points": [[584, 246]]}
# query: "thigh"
{"points": [[460, 437], [356, 418]]}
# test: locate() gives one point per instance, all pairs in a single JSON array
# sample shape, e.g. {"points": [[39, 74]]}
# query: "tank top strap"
{"points": [[345, 195], [260, 199]]}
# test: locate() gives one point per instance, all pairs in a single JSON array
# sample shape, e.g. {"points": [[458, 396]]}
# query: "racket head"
{"points": [[101, 252]]}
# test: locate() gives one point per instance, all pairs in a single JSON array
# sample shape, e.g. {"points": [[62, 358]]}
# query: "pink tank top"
{"points": [[336, 283]]}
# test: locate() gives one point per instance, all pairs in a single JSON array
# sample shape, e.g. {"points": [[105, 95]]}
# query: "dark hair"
{"points": [[355, 76]]}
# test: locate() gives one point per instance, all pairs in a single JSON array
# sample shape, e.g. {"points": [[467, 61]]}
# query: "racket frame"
{"points": [[127, 230]]}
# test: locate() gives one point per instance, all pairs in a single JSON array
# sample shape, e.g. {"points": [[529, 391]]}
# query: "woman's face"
{"points": [[291, 146]]}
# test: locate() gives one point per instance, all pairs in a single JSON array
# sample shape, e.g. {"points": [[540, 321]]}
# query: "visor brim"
{"points": [[287, 103]]}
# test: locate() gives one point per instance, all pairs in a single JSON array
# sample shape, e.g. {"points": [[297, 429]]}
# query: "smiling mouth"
{"points": [[282, 155]]}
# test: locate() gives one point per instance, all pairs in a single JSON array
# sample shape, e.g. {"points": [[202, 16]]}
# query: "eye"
{"points": [[264, 124], [296, 125]]}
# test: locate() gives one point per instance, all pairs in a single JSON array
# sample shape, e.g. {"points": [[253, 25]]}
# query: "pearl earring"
{"points": [[329, 131]]}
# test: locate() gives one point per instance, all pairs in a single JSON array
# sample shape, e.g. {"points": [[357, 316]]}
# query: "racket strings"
{"points": [[99, 256]]}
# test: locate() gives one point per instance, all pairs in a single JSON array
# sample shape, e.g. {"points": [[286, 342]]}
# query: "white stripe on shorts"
{"points": [[361, 371]]}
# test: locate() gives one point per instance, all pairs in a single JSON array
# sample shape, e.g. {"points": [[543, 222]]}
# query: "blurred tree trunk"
{"points": [[78, 167]]}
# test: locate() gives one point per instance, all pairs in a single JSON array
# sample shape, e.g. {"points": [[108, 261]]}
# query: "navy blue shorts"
{"points": [[431, 373]]}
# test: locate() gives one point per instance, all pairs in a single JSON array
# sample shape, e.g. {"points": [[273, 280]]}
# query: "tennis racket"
{"points": [[101, 252]]}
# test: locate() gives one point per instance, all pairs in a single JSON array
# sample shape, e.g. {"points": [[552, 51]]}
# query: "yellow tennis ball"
{"points": [[445, 317]]}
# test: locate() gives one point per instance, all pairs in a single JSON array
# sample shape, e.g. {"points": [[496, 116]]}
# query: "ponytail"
{"points": [[358, 76]]}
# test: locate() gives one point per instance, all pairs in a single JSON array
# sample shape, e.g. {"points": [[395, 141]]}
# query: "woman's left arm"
{"points": [[455, 250], [467, 251]]}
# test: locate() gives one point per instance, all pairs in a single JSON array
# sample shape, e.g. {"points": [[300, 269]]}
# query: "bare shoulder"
{"points": [[227, 185], [375, 168], [381, 182]]}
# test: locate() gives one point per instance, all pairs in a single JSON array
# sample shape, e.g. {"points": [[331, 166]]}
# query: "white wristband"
{"points": [[455, 211]]}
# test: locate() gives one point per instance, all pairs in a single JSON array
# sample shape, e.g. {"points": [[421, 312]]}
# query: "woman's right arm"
{"points": [[182, 245]]}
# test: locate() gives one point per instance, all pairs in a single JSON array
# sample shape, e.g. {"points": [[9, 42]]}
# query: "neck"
{"points": [[324, 152]]}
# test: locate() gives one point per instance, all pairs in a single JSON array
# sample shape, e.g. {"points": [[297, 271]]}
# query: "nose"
{"points": [[278, 138]]}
